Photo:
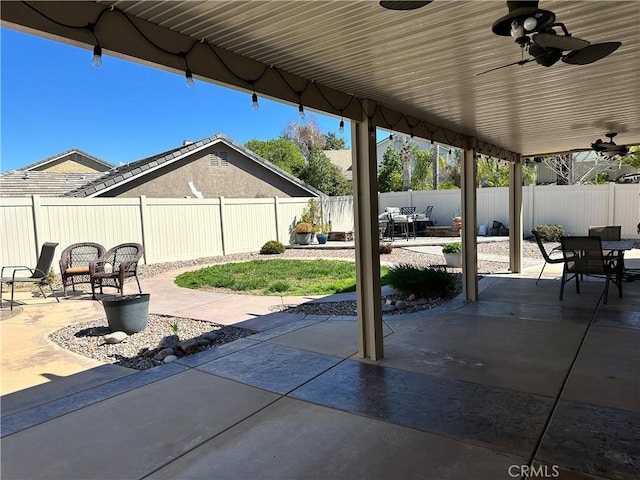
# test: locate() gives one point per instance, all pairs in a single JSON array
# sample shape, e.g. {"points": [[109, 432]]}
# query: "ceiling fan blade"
{"points": [[391, 5], [559, 42], [520, 62], [591, 54]]}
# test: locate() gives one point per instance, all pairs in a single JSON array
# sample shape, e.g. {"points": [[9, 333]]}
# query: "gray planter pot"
{"points": [[128, 313], [303, 238]]}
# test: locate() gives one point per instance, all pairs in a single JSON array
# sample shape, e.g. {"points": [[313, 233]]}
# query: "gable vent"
{"points": [[218, 159]]}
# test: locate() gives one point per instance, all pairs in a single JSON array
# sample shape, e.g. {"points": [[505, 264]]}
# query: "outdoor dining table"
{"points": [[619, 246]]}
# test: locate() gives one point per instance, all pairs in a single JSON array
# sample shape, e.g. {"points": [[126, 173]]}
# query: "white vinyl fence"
{"points": [[180, 229], [575, 207]]}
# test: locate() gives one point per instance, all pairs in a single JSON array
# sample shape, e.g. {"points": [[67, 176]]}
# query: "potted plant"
{"points": [[453, 254], [303, 231], [323, 234]]}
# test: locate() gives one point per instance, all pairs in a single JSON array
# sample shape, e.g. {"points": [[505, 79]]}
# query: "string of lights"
{"points": [[251, 84]]}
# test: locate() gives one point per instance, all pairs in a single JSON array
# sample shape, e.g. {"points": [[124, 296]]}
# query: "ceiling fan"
{"points": [[609, 149], [545, 45]]}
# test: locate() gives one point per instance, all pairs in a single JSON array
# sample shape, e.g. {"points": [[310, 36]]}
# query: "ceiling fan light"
{"points": [[517, 30], [520, 12], [530, 24]]}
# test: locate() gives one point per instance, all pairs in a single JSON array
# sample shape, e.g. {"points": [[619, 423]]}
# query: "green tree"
{"points": [[492, 173], [324, 175], [422, 175], [450, 169], [281, 152], [632, 158], [390, 171], [333, 142]]}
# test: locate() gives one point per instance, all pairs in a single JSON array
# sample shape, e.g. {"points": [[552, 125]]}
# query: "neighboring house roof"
{"points": [[342, 160], [48, 184], [78, 155], [123, 174]]}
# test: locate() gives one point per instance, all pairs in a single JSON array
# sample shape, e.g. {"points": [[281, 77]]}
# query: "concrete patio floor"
{"points": [[469, 390]]}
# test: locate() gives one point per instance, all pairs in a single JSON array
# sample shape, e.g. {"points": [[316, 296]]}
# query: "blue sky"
{"points": [[53, 100]]}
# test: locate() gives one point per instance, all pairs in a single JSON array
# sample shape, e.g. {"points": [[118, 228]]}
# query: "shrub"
{"points": [[51, 276], [423, 282], [453, 247], [550, 233], [303, 227], [272, 248], [385, 248]]}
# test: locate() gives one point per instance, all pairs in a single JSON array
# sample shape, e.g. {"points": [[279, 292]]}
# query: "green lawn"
{"points": [[277, 277]]}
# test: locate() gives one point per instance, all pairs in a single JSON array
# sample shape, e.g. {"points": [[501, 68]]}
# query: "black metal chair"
{"points": [[609, 232], [425, 216], [584, 256], [548, 258], [38, 274], [384, 226], [405, 221]]}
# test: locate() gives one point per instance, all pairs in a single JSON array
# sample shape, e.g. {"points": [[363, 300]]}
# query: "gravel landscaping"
{"points": [[155, 344], [150, 347]]}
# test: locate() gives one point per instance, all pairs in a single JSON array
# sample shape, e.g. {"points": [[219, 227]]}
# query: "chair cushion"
{"points": [[78, 270], [392, 210]]}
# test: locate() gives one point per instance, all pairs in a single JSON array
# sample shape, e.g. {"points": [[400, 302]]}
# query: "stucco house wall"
{"points": [[215, 171]]}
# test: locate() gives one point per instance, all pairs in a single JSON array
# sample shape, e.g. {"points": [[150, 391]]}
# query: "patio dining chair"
{"points": [[74, 263], [115, 266], [38, 275], [405, 220], [425, 216], [584, 256], [547, 255], [609, 232]]}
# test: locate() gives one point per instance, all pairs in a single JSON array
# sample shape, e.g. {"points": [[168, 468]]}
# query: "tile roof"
{"points": [[124, 173], [63, 154], [47, 184]]}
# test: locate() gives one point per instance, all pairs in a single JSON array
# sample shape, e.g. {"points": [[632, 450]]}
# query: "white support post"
{"points": [[531, 205], [469, 221], [515, 215], [369, 298]]}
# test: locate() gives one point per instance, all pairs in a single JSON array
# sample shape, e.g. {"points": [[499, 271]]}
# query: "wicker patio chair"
{"points": [[74, 263], [118, 264], [38, 275]]}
